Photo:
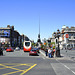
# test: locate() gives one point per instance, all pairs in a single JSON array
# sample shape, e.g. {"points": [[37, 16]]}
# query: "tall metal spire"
{"points": [[39, 32], [39, 28], [39, 24]]}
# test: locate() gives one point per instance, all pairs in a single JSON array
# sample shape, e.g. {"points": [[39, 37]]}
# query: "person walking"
{"points": [[1, 51], [46, 51], [49, 52]]}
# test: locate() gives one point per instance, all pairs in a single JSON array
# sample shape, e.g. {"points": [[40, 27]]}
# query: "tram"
{"points": [[27, 46]]}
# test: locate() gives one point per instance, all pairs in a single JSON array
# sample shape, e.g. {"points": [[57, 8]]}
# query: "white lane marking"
{"points": [[66, 67], [42, 53], [43, 58], [73, 71]]}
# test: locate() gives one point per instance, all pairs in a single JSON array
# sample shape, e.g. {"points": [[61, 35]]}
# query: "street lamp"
{"points": [[57, 35]]}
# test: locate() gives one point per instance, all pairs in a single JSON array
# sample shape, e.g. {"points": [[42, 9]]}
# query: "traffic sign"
{"points": [[67, 36]]}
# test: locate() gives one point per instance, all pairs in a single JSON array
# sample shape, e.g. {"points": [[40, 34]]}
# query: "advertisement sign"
{"points": [[4, 40], [5, 33]]}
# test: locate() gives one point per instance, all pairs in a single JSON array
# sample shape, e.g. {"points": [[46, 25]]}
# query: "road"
{"points": [[20, 63]]}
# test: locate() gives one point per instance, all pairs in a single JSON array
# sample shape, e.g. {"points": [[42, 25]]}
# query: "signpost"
{"points": [[67, 36]]}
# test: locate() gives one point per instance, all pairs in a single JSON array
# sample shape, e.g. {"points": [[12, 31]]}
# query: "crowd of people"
{"points": [[49, 52]]}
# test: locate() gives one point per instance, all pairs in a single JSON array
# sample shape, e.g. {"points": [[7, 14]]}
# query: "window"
{"points": [[27, 43], [69, 37], [74, 37]]}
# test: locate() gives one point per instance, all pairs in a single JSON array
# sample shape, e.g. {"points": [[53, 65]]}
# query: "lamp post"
{"points": [[57, 35]]}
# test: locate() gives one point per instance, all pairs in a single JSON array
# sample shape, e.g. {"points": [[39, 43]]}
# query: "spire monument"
{"points": [[39, 40]]}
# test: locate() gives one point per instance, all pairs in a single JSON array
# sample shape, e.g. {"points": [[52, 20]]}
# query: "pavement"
{"points": [[63, 56]]}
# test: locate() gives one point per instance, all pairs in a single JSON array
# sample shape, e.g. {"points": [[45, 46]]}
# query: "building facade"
{"points": [[70, 41], [65, 43], [6, 35], [11, 37]]}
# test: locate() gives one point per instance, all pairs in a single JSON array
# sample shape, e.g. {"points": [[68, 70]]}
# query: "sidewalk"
{"points": [[62, 56]]}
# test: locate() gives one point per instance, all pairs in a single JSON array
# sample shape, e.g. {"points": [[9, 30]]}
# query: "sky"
{"points": [[25, 16]]}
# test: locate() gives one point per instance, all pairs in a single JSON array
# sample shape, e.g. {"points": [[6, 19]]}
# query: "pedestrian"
{"points": [[46, 51], [1, 51], [49, 52]]}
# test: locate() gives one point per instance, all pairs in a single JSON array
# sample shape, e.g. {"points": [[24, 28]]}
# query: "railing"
{"points": [[69, 31], [71, 38]]}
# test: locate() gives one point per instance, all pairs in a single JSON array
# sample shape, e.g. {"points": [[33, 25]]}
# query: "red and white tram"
{"points": [[27, 46]]}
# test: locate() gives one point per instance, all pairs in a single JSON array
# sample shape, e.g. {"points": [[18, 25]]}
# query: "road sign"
{"points": [[67, 36]]}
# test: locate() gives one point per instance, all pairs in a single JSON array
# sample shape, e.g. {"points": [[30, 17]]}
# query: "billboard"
{"points": [[4, 33]]}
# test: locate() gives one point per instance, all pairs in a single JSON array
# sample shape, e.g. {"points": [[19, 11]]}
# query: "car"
{"points": [[1, 51], [17, 48], [37, 49], [33, 52], [10, 49]]}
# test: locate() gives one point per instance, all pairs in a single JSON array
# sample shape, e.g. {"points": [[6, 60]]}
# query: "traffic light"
{"points": [[49, 41]]}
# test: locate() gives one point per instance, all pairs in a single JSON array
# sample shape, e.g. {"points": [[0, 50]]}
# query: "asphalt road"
{"points": [[20, 63]]}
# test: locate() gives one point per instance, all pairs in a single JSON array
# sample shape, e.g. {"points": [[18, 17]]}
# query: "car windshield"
{"points": [[10, 48], [33, 50]]}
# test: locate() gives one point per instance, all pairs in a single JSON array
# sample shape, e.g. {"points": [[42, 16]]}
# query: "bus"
{"points": [[27, 46]]}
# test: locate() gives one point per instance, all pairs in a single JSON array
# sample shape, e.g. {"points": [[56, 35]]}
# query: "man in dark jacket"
{"points": [[1, 51]]}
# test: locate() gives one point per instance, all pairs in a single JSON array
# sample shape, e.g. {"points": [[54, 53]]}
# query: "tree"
{"points": [[52, 43], [33, 44]]}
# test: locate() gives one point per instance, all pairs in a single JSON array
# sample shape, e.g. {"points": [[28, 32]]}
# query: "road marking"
{"points": [[11, 73], [28, 69], [42, 53], [66, 67], [73, 71], [4, 66], [43, 57], [11, 67], [27, 64]]}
